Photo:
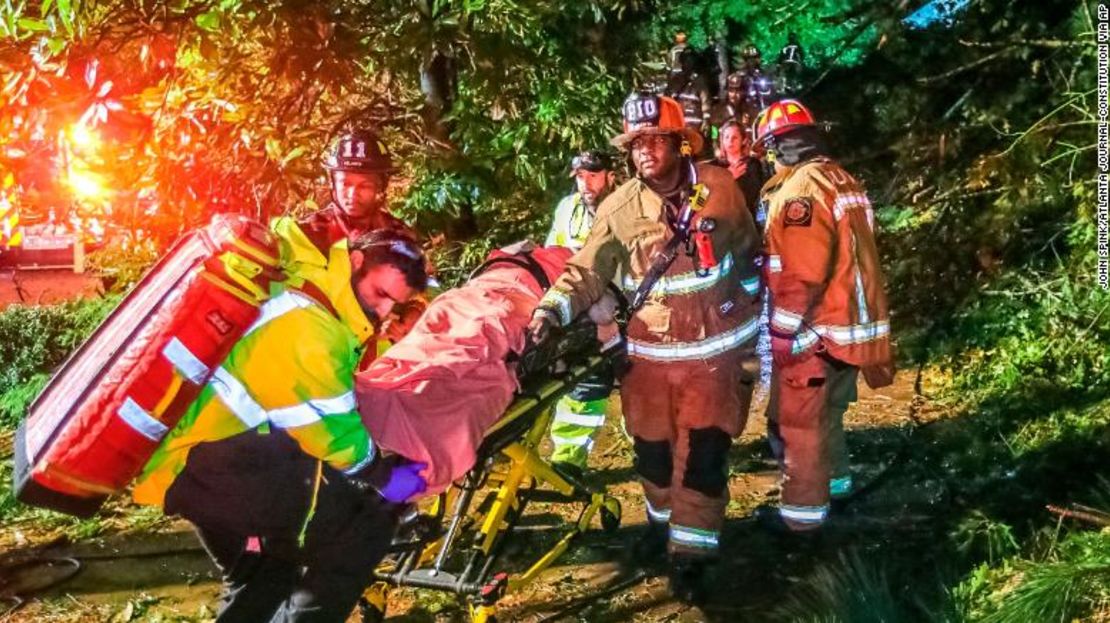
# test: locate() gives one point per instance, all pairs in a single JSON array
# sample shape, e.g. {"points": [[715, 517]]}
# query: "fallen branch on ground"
{"points": [[1082, 513]]}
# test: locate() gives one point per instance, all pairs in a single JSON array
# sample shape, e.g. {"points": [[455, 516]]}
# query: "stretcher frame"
{"points": [[511, 472]]}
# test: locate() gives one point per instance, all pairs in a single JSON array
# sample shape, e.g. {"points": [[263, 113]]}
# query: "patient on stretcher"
{"points": [[432, 396]]}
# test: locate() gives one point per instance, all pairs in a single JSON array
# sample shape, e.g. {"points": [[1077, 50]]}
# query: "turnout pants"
{"points": [[805, 425], [682, 416], [578, 419], [275, 579]]}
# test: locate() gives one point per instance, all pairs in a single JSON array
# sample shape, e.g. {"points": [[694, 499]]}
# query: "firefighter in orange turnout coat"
{"points": [[829, 317]]}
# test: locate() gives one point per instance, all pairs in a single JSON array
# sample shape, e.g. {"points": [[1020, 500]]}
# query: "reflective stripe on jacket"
{"points": [[688, 315], [822, 265], [293, 370]]}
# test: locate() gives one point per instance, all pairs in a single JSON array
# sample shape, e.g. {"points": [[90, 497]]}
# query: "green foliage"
{"points": [[975, 134], [34, 340], [979, 536], [1031, 329], [15, 399], [1073, 585], [851, 590], [973, 139], [831, 31], [121, 265]]}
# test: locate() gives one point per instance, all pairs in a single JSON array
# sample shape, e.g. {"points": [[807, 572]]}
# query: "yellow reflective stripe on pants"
{"points": [[575, 427]]}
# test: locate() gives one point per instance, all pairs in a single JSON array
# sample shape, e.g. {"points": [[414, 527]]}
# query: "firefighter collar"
{"points": [[693, 196], [778, 180]]}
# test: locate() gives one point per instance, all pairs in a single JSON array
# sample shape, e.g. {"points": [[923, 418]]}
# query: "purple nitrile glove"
{"points": [[404, 482]]}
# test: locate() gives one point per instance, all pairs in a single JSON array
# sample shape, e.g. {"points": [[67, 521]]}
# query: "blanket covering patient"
{"points": [[432, 396]]}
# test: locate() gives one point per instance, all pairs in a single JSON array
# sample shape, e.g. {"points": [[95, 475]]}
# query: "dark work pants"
{"points": [[272, 579]]}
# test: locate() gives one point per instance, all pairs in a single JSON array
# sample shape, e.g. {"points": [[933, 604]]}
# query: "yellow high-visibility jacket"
{"points": [[292, 371]]}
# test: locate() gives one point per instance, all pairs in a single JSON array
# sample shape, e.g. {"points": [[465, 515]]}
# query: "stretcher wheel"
{"points": [[610, 515]]}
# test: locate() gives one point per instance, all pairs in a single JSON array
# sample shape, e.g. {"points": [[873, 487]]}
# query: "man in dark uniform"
{"points": [[359, 168]]}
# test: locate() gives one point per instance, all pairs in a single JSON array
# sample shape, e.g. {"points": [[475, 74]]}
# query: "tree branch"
{"points": [[1088, 515], [1036, 43], [962, 68]]}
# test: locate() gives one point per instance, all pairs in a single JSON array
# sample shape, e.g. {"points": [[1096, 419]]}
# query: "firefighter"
{"points": [[272, 462], [580, 414], [682, 397], [674, 55], [758, 86], [828, 312], [751, 59], [731, 106], [688, 87], [359, 168]]}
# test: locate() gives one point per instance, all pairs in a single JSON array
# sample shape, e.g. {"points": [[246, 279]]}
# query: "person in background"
{"points": [[734, 153], [580, 414], [791, 61], [359, 168], [688, 87], [731, 104]]}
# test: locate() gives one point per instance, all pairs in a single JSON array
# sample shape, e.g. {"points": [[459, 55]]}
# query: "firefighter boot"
{"points": [[768, 517], [687, 577]]}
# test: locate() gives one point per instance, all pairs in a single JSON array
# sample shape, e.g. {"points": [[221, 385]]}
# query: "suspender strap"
{"points": [[521, 260]]}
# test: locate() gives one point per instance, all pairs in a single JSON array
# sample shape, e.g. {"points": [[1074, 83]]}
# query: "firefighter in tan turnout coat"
{"points": [[682, 398]]}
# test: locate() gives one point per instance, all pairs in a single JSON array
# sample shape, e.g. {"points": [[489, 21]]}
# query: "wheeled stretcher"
{"points": [[455, 543]]}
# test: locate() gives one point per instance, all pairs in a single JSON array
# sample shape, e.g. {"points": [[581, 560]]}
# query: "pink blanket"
{"points": [[433, 394]]}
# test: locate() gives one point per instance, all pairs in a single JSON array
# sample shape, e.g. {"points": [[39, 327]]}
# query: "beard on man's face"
{"points": [[373, 317], [375, 320]]}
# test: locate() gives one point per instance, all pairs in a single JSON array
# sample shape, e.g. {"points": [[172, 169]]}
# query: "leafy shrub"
{"points": [[36, 339], [1073, 584], [121, 265]]}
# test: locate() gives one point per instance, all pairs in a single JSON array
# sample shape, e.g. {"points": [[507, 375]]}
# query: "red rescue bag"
{"points": [[104, 412]]}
